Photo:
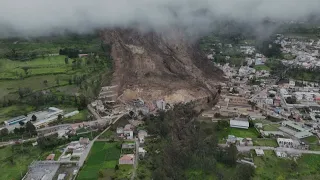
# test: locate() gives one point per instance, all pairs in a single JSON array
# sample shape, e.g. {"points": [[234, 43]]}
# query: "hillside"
{"points": [[154, 66]]}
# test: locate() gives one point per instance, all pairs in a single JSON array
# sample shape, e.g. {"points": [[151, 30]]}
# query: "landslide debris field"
{"points": [[153, 66]]}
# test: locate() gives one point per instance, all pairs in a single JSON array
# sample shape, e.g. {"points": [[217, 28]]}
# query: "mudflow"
{"points": [[154, 66]]}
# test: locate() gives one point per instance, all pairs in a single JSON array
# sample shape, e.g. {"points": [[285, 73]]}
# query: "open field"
{"points": [[13, 111], [48, 65], [311, 140], [244, 133], [271, 167], [35, 83], [271, 127], [103, 158], [262, 67], [14, 163], [265, 142], [82, 116]]}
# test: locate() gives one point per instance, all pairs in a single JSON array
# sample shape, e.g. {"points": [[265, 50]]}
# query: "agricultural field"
{"points": [[28, 67], [13, 111], [271, 167], [15, 160], [101, 161]]}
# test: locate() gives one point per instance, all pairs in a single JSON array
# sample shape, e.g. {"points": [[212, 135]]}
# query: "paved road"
{"points": [[135, 165], [85, 154], [288, 150]]}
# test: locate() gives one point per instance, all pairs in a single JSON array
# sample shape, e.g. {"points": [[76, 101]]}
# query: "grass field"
{"points": [[311, 140], [82, 116], [13, 111], [103, 157], [48, 65], [271, 127], [106, 135], [265, 142], [21, 161], [35, 83], [271, 167], [262, 67], [244, 133]]}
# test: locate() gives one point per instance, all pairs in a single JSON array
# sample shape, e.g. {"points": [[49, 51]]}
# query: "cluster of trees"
{"points": [[185, 144], [17, 55], [28, 129], [270, 49], [291, 100], [50, 142], [38, 99], [71, 53], [312, 74]]}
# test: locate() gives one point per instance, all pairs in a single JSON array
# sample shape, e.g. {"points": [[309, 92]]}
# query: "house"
{"points": [[50, 157], [127, 159], [281, 154], [161, 104], [246, 142], [128, 131], [141, 135], [84, 141], [128, 146], [77, 152], [272, 133], [287, 143], [142, 151], [259, 152], [61, 176], [74, 145], [15, 120], [231, 139], [241, 123], [258, 125], [120, 131]]}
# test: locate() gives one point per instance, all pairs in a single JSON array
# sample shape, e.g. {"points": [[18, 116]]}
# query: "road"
{"points": [[135, 165], [85, 154], [288, 150]]}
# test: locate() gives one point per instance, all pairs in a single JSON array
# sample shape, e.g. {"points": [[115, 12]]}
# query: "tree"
{"points": [[31, 128], [66, 60], [24, 91], [16, 130], [33, 118], [100, 174], [4, 132], [21, 123], [57, 80], [45, 82], [26, 69], [60, 117], [291, 100], [244, 172]]}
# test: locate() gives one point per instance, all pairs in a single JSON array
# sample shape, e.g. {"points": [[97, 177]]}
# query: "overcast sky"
{"points": [[41, 17]]}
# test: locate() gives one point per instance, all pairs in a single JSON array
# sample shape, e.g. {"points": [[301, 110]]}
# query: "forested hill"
{"points": [[182, 148]]}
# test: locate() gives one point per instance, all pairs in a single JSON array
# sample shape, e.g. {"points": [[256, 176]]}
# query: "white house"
{"points": [[128, 131], [141, 135], [241, 123], [259, 152], [282, 142]]}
